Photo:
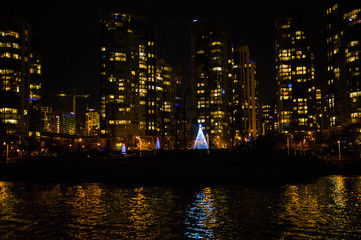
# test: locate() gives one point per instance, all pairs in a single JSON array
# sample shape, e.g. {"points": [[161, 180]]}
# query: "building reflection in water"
{"points": [[327, 207], [86, 210]]}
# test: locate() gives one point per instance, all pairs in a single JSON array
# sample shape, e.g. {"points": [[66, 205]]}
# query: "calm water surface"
{"points": [[324, 208]]}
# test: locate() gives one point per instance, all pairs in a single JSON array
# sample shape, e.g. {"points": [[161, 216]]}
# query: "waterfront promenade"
{"points": [[180, 166]]}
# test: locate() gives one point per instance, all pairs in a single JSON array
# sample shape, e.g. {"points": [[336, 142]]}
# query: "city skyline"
{"points": [[70, 37]]}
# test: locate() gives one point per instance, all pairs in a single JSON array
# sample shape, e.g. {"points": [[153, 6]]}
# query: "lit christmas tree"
{"points": [[157, 144], [201, 142], [124, 149]]}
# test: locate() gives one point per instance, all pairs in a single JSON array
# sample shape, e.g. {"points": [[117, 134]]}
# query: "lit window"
{"points": [[217, 69]]}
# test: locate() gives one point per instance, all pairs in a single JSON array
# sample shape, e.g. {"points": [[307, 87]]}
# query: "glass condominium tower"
{"points": [[343, 63], [295, 73], [20, 80], [128, 82], [245, 95], [211, 81]]}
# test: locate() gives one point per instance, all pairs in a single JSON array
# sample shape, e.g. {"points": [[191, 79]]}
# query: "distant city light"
{"points": [[195, 20]]}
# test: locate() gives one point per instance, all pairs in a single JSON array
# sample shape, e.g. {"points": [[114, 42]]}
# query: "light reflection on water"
{"points": [[200, 220], [324, 208]]}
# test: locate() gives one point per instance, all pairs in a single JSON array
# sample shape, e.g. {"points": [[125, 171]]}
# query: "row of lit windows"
{"points": [[35, 70], [217, 43], [10, 86], [352, 56], [35, 86], [10, 55], [9, 45], [217, 50], [218, 113], [9, 110], [331, 103], [331, 9], [352, 43], [117, 56], [119, 122], [9, 33], [11, 115], [353, 17], [285, 26], [356, 115], [217, 69], [355, 94], [285, 114], [284, 97], [333, 38], [7, 71]]}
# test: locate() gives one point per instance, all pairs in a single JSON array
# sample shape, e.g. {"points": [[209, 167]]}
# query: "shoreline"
{"points": [[172, 166]]}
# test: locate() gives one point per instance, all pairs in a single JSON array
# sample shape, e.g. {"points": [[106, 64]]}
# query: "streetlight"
{"points": [[288, 145], [139, 142], [339, 149]]}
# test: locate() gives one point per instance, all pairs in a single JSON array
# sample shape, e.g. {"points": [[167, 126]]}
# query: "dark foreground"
{"points": [[217, 167]]}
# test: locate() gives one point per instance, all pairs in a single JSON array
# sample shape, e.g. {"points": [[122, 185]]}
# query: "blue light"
{"points": [[157, 144], [124, 150], [223, 91], [176, 105], [33, 99], [195, 20], [290, 85]]}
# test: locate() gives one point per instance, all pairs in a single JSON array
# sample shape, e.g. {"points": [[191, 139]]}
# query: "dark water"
{"points": [[323, 208]]}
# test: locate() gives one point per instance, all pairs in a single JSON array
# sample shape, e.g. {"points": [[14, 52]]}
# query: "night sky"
{"points": [[70, 36]]}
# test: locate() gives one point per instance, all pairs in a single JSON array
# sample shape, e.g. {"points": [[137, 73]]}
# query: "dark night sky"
{"points": [[70, 34]]}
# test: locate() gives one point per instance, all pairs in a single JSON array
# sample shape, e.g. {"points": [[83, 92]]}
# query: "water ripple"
{"points": [[328, 207]]}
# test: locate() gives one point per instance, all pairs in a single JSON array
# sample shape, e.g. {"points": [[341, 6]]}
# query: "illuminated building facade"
{"points": [[168, 88], [128, 79], [46, 117], [211, 81], [268, 120], [34, 97], [245, 100], [67, 123], [343, 48], [92, 122], [20, 80], [295, 78]]}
